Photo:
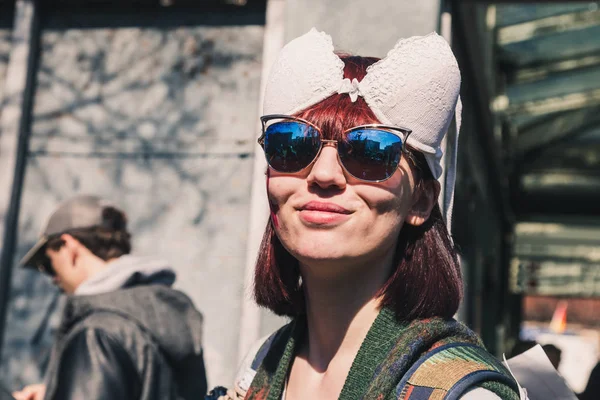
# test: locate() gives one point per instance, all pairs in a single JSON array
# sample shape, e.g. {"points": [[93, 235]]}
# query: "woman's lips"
{"points": [[323, 213], [324, 207]]}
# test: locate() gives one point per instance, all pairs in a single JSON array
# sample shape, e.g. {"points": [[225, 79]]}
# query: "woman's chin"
{"points": [[323, 251]]}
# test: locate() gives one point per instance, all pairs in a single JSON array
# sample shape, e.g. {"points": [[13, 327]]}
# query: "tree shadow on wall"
{"points": [[149, 110]]}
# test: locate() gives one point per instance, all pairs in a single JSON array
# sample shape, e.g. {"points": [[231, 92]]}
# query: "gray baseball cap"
{"points": [[75, 213]]}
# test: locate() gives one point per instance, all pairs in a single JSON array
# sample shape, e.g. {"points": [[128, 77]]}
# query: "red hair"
{"points": [[426, 281]]}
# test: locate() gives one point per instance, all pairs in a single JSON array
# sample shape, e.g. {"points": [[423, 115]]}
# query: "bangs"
{"points": [[337, 113]]}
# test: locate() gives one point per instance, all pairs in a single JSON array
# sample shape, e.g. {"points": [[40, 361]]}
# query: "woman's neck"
{"points": [[340, 312]]}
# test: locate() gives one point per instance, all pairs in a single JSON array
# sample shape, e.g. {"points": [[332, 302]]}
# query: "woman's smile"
{"points": [[323, 214]]}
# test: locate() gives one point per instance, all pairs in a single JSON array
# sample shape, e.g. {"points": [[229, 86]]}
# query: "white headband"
{"points": [[416, 86]]}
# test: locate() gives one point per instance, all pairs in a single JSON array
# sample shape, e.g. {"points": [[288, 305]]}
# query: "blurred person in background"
{"points": [[125, 332], [357, 251]]}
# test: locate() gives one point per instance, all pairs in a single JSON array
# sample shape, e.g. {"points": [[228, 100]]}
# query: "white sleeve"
{"points": [[480, 394], [245, 373]]}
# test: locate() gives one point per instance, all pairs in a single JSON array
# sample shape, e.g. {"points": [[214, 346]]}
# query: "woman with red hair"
{"points": [[357, 251]]}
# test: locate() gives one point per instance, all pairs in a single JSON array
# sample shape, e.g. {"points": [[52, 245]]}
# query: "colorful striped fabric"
{"points": [[449, 371]]}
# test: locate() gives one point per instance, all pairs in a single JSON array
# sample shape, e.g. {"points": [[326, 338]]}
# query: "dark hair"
{"points": [[107, 241], [427, 280]]}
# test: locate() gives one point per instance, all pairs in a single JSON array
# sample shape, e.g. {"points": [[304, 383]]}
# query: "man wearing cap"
{"points": [[125, 333]]}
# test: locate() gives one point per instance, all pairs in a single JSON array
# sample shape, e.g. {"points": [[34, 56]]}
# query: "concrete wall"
{"points": [[144, 115]]}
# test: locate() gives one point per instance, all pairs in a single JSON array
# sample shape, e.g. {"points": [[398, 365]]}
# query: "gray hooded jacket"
{"points": [[126, 334]]}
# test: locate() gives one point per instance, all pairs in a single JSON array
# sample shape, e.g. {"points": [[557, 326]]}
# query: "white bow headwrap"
{"points": [[416, 86], [350, 87]]}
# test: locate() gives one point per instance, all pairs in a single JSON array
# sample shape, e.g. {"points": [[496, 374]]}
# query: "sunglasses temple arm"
{"points": [[407, 135]]}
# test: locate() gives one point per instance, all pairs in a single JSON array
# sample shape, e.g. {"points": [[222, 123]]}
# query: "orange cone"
{"points": [[559, 318]]}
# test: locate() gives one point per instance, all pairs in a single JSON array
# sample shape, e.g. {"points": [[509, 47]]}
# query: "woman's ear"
{"points": [[424, 199]]}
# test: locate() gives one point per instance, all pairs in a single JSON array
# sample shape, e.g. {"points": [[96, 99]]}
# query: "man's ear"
{"points": [[424, 199], [72, 245], [69, 240]]}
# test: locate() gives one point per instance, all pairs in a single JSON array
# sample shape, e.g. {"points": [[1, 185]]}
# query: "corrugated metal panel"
{"points": [[560, 258], [549, 74], [510, 14]]}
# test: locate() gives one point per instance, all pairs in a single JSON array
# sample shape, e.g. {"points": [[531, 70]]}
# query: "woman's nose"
{"points": [[326, 170]]}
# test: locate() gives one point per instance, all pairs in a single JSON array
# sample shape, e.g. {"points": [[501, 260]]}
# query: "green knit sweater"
{"points": [[386, 356]]}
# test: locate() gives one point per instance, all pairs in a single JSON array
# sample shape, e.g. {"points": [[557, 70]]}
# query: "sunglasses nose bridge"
{"points": [[329, 142]]}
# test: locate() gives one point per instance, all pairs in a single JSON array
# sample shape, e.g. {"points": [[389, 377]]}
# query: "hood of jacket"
{"points": [[128, 271]]}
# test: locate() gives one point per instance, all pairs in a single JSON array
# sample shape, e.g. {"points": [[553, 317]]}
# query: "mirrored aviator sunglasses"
{"points": [[369, 153]]}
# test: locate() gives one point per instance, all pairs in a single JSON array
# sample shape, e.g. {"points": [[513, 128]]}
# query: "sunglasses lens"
{"points": [[290, 146], [370, 154]]}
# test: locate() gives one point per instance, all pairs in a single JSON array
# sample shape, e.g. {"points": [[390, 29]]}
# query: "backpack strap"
{"points": [[447, 372], [263, 350], [270, 348]]}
